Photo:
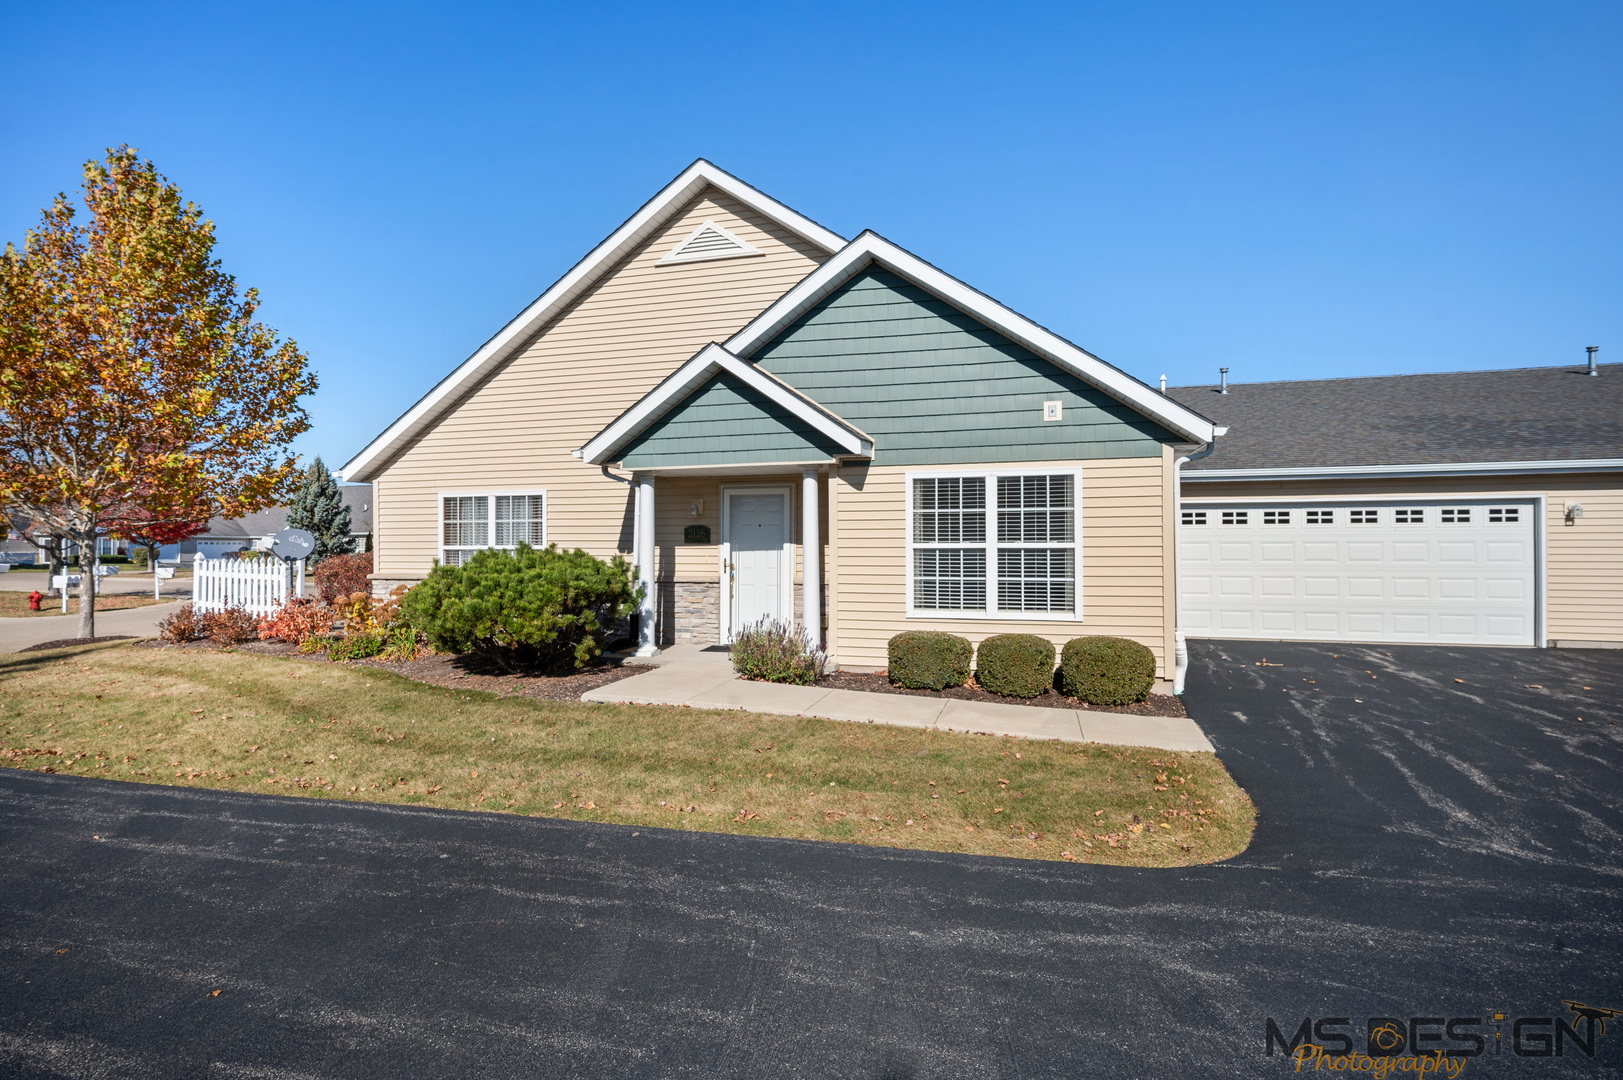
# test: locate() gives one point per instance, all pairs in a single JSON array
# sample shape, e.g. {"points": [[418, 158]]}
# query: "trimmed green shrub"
{"points": [[358, 646], [1015, 665], [774, 651], [929, 660], [524, 610], [1107, 670]]}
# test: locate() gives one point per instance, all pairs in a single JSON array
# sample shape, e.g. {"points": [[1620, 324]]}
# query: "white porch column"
{"points": [[647, 645], [811, 560]]}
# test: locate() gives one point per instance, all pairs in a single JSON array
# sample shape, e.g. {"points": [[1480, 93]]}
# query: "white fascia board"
{"points": [[873, 248], [1461, 468], [652, 215], [695, 373]]}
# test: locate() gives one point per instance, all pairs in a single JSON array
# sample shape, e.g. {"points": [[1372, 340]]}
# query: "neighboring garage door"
{"points": [[1448, 572]]}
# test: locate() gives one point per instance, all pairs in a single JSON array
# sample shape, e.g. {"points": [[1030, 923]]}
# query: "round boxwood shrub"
{"points": [[929, 660], [1107, 670], [1015, 665]]}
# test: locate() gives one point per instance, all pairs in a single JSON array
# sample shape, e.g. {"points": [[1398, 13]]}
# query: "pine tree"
{"points": [[319, 509]]}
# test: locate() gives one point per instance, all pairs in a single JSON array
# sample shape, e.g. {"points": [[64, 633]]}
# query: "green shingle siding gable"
{"points": [[725, 422], [933, 386]]}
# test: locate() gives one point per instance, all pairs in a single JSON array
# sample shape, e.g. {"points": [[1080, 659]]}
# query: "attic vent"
{"points": [[709, 241]]}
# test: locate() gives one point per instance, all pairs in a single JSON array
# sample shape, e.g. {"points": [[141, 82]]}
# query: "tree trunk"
{"points": [[87, 585], [59, 565]]}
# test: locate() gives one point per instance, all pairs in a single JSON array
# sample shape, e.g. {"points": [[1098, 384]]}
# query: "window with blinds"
{"points": [[466, 524], [1025, 562], [949, 543]]}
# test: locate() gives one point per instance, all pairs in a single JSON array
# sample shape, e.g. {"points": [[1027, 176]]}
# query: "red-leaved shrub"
{"points": [[233, 626], [180, 626], [299, 619], [340, 575]]}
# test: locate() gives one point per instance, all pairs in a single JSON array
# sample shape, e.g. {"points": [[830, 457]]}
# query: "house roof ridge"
{"points": [[572, 283]]}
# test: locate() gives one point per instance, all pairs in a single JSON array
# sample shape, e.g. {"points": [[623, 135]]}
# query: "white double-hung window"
{"points": [[993, 544], [472, 523]]}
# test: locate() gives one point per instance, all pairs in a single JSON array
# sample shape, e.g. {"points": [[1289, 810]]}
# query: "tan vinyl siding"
{"points": [[1584, 560], [1123, 565], [515, 431]]}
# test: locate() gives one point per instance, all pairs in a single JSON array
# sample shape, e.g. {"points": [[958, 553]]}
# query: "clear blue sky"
{"points": [[1295, 190]]}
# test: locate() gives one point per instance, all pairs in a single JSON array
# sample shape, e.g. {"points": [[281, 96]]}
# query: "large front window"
{"points": [[1025, 564], [466, 520]]}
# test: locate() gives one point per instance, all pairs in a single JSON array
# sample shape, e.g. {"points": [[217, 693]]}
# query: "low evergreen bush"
{"points": [[524, 610], [1015, 665], [1107, 670], [773, 651], [929, 660]]}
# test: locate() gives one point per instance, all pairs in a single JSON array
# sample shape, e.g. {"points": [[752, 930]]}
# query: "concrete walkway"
{"points": [[18, 634], [702, 678]]}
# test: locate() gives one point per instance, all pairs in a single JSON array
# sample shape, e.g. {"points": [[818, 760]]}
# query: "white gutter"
{"points": [[1464, 468]]}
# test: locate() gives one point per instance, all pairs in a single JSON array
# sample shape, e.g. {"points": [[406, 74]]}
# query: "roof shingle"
{"points": [[1522, 414]]}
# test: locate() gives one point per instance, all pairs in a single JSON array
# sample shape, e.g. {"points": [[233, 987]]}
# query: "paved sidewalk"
{"points": [[690, 675], [18, 634]]}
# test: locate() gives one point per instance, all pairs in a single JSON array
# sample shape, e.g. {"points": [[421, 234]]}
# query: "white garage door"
{"points": [[1447, 572]]}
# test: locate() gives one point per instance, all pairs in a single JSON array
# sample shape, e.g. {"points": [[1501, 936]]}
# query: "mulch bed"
{"points": [[452, 672], [69, 642], [879, 683]]}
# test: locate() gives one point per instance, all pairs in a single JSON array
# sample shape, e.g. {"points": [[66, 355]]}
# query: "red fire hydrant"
{"points": [[33, 600]]}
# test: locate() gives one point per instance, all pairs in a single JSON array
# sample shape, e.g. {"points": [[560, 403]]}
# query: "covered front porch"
{"points": [[729, 468]]}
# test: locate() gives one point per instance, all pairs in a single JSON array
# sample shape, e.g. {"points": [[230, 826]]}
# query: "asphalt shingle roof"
{"points": [[358, 497], [1523, 414]]}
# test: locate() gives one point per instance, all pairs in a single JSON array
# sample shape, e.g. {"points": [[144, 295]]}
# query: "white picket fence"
{"points": [[259, 585]]}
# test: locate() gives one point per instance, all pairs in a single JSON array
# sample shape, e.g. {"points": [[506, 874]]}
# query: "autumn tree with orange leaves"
{"points": [[135, 385]]}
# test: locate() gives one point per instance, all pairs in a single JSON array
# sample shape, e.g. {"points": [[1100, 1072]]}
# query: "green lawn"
{"points": [[307, 727]]}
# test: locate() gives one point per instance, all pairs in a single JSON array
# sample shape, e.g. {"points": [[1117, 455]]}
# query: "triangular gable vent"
{"points": [[709, 241]]}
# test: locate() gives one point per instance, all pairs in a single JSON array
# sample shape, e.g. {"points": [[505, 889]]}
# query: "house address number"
{"points": [[696, 534]]}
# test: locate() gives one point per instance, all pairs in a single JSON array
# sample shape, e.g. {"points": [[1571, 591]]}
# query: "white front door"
{"points": [[1449, 571], [757, 531]]}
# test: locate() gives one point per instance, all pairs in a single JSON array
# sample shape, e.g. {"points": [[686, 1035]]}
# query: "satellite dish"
{"points": [[293, 543]]}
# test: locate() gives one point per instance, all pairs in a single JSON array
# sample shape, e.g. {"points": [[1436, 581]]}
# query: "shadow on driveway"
{"points": [[1433, 849]]}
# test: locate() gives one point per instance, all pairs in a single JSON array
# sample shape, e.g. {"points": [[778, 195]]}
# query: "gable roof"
{"points": [[698, 371], [649, 218], [871, 248], [1519, 420]]}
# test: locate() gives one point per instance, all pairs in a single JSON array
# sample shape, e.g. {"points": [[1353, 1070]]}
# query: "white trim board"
{"points": [[649, 218], [871, 248], [695, 373], [1460, 468]]}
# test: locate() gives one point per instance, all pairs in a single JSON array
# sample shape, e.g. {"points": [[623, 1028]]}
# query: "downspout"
{"points": [[1180, 650]]}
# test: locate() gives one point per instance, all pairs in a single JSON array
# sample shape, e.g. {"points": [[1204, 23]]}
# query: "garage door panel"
{"points": [[1399, 572], [1411, 588]]}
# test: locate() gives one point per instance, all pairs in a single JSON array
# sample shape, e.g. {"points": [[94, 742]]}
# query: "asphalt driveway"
{"points": [[1427, 848]]}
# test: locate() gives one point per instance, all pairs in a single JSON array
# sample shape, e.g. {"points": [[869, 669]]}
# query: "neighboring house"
{"points": [[1477, 507], [776, 422], [226, 535]]}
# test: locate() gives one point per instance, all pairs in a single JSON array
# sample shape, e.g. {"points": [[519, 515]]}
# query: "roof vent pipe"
{"points": [[1224, 388], [1163, 384], [1592, 350]]}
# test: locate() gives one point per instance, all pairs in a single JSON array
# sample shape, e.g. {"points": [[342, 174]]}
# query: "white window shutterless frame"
{"points": [[757, 569], [994, 543], [473, 521]]}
